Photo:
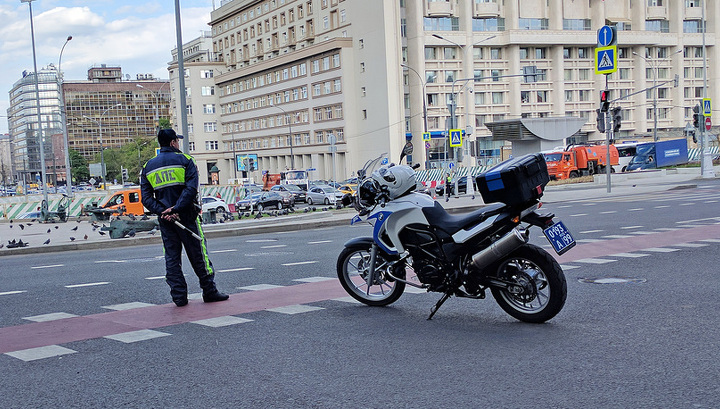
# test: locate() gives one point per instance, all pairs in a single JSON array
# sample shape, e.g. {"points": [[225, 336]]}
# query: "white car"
{"points": [[323, 194], [214, 203]]}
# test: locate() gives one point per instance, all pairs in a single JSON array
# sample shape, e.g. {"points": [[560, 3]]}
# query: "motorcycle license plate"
{"points": [[559, 236]]}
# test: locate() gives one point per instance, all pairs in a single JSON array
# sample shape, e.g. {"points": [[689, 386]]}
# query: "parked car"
{"points": [[349, 188], [294, 191], [214, 203], [261, 201], [462, 186], [324, 194]]}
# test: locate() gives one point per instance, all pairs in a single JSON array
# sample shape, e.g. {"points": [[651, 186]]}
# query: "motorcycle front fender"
{"points": [[365, 241]]}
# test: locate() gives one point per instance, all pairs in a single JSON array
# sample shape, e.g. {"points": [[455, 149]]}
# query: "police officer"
{"points": [[169, 184]]}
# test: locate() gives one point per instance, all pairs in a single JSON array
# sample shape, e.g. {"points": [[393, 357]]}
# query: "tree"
{"points": [[79, 166], [164, 123]]}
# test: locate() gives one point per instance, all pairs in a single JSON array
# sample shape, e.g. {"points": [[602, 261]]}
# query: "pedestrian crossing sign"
{"points": [[426, 136], [455, 138], [606, 59], [707, 107]]}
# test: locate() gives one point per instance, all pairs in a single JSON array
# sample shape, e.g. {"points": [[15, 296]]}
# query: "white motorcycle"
{"points": [[416, 242]]}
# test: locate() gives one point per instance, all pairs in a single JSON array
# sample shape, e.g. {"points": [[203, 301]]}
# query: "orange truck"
{"points": [[579, 160], [120, 202]]}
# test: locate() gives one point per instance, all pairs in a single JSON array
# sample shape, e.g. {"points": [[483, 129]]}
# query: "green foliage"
{"points": [[131, 156], [78, 167], [165, 123]]}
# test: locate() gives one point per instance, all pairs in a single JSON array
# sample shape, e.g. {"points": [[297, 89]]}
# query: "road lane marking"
{"points": [[568, 267], [223, 321], [299, 263], [33, 354], [155, 278], [48, 266], [711, 240], [629, 255], [691, 245], [87, 284], [314, 279], [127, 306], [260, 240], [276, 246], [259, 287], [661, 207], [687, 204], [632, 227], [137, 336], [637, 209], [110, 261], [661, 249], [320, 242], [294, 309], [594, 261], [231, 270], [223, 251], [13, 292], [578, 215], [49, 317], [642, 232], [588, 232], [609, 212], [667, 229]]}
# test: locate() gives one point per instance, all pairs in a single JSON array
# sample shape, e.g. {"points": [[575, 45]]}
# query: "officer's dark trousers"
{"points": [[174, 239]]}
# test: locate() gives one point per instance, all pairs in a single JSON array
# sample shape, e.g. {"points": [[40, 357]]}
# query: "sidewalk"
{"points": [[81, 235]]}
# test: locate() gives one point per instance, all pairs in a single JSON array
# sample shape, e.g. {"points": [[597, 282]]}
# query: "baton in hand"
{"points": [[182, 226]]}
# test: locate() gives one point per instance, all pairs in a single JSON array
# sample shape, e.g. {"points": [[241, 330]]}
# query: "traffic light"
{"points": [[696, 116], [600, 121], [604, 100], [617, 118], [251, 164], [124, 173]]}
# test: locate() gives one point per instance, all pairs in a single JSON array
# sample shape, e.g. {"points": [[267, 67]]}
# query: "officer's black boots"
{"points": [[181, 302], [215, 296]]}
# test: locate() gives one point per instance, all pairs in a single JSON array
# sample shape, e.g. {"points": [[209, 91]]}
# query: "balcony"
{"points": [[487, 10], [693, 13], [438, 8], [656, 13]]}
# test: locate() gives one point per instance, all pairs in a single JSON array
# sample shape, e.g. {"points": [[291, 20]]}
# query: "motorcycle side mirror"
{"points": [[347, 199]]}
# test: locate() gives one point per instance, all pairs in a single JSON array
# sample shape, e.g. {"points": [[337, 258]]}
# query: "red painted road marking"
{"points": [[40, 334]]}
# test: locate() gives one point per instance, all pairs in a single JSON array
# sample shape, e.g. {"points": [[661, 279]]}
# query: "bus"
{"points": [[626, 151], [295, 177]]}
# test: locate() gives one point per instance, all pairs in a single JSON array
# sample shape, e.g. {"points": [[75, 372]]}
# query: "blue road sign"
{"points": [[606, 60], [707, 107], [605, 36], [384, 161], [451, 165], [455, 138]]}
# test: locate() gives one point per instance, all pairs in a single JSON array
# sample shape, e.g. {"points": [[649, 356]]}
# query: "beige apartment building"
{"points": [[335, 68]]}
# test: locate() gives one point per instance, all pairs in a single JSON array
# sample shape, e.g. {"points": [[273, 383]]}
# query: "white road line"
{"points": [[660, 249], [294, 309], [687, 204], [629, 255], [314, 279], [320, 242], [49, 266], [637, 209], [127, 306], [49, 317], [578, 215], [13, 292], [564, 206], [711, 201], [221, 321], [232, 270], [617, 236], [136, 336], [661, 207], [87, 285], [259, 287], [110, 261], [260, 241], [155, 278], [591, 231], [609, 212], [568, 267], [642, 232], [414, 290], [631, 227], [711, 240], [691, 245], [667, 229], [33, 354], [276, 246], [299, 263], [594, 261], [223, 251], [589, 204]]}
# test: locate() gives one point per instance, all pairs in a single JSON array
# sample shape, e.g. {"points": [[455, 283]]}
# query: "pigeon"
{"points": [[1, 245], [74, 228], [94, 228], [47, 241], [144, 217], [72, 238], [86, 237], [29, 224], [258, 215], [102, 233], [56, 227], [132, 217], [131, 233], [11, 224], [48, 231], [22, 227]]}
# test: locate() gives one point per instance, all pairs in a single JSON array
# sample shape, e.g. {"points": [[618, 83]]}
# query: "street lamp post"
{"points": [[292, 158], [157, 101], [39, 119], [234, 158], [424, 96], [63, 118], [654, 68], [98, 122]]}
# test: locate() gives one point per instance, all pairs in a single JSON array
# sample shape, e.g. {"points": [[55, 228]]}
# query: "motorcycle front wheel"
{"points": [[538, 289], [353, 267]]}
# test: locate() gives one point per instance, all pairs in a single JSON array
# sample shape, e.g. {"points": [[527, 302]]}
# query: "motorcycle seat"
{"points": [[451, 224]]}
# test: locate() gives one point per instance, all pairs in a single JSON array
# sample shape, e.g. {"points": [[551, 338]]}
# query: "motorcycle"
{"points": [[416, 242]]}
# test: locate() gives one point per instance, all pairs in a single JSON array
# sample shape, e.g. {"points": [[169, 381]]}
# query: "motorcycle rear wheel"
{"points": [[353, 266], [541, 278]]}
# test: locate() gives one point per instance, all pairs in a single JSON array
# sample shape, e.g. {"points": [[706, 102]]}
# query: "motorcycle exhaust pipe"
{"points": [[500, 248]]}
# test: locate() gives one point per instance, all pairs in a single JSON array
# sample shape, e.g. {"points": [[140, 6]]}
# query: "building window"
{"points": [[540, 54], [211, 145], [658, 26], [497, 97], [488, 24], [692, 26], [207, 91], [576, 24], [430, 53], [568, 96], [441, 24], [210, 126], [533, 24], [209, 108]]}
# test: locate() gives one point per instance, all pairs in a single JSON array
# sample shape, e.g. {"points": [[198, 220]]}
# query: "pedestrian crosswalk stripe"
{"points": [[137, 336], [259, 287], [594, 261], [294, 309], [50, 317], [33, 354], [223, 321], [629, 255], [660, 249]]}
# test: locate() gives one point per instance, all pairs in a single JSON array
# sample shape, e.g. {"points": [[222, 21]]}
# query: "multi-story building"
{"points": [[310, 84], [110, 111], [6, 175], [318, 59], [23, 123], [202, 109]]}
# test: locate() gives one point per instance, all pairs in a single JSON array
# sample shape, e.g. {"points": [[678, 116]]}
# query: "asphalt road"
{"points": [[638, 329]]}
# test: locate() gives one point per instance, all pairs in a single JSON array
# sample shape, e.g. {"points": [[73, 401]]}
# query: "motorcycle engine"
{"points": [[426, 256]]}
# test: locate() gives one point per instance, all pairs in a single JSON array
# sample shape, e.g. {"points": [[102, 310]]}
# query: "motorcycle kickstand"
{"points": [[440, 302]]}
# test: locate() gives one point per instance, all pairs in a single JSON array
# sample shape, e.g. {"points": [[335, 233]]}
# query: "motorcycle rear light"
{"points": [[516, 219]]}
